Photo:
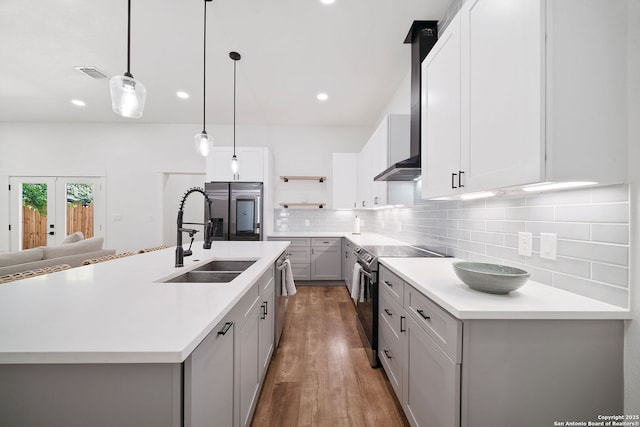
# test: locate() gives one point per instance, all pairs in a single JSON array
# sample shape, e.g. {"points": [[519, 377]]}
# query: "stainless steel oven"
{"points": [[367, 306]]}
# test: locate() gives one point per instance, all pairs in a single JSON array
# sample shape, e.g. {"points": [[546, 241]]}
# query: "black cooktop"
{"points": [[400, 251]]}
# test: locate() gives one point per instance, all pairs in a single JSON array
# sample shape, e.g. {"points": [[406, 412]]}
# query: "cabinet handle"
{"points": [[402, 329], [363, 203], [424, 316], [386, 353], [460, 179], [375, 200], [389, 284], [225, 328], [386, 310], [264, 312], [312, 251], [266, 308], [453, 179]]}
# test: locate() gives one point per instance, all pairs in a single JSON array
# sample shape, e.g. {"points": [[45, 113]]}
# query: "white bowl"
{"points": [[490, 278]]}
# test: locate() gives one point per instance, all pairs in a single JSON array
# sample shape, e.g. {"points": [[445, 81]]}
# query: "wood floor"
{"points": [[320, 375]]}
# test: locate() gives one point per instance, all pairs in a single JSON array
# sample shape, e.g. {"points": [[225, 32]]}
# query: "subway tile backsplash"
{"points": [[592, 226]]}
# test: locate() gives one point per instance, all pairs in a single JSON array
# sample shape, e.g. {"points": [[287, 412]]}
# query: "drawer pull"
{"points": [[386, 353], [402, 329], [264, 312], [225, 329], [386, 310], [389, 284], [424, 316], [266, 308]]}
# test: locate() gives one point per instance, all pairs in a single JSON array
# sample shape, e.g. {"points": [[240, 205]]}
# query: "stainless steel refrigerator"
{"points": [[237, 210]]}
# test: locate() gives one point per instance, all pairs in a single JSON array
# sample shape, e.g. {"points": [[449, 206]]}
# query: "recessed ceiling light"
{"points": [[78, 102], [327, 1], [182, 95], [322, 96]]}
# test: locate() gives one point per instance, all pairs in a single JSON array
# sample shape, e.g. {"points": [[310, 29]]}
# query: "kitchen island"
{"points": [[112, 344]]}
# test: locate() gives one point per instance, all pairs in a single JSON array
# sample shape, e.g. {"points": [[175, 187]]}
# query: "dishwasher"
{"points": [[281, 300]]}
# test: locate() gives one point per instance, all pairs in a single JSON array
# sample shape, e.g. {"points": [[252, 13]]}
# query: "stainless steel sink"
{"points": [[204, 277], [226, 265], [218, 271]]}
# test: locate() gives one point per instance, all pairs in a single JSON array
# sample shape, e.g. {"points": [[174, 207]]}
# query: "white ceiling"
{"points": [[291, 50]]}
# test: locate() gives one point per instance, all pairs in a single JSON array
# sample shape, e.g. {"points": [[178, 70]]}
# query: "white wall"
{"points": [[134, 157], [632, 335]]}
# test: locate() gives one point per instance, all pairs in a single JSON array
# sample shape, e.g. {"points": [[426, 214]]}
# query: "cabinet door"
{"points": [[208, 380], [431, 381], [502, 65], [326, 263], [250, 164], [365, 179], [441, 116], [344, 183], [267, 319], [379, 147], [249, 378], [219, 164]]}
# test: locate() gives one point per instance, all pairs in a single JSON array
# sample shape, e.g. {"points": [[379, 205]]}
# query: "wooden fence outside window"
{"points": [[34, 225]]}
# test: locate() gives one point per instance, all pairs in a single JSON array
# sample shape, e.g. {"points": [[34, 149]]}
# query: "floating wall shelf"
{"points": [[304, 204], [286, 178]]}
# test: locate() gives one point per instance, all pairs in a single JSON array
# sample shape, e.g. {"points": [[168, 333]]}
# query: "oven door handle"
{"points": [[364, 272]]}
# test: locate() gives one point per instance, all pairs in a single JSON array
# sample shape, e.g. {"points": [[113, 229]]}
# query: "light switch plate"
{"points": [[548, 245], [525, 242]]}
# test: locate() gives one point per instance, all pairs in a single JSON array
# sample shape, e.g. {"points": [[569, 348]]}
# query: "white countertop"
{"points": [[435, 278], [116, 312], [362, 239]]}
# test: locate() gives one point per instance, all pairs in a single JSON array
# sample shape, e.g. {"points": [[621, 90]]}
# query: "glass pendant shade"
{"points": [[127, 96], [203, 143], [234, 164]]}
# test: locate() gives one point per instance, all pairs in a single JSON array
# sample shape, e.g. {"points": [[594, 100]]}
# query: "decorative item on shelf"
{"points": [[202, 141], [302, 204], [235, 56], [288, 178], [127, 94]]}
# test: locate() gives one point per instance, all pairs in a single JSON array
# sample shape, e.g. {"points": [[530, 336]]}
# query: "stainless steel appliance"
{"points": [[237, 210], [281, 300], [367, 310]]}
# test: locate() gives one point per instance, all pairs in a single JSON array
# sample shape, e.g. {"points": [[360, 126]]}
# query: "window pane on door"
{"points": [[34, 215], [79, 210]]}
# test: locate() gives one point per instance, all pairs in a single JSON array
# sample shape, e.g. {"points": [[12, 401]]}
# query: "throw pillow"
{"points": [[72, 238]]}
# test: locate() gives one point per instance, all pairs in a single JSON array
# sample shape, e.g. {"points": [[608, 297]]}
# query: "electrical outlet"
{"points": [[548, 245], [307, 223], [525, 243]]}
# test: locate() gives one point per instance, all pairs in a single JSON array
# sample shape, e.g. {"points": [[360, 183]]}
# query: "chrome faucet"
{"points": [[208, 227]]}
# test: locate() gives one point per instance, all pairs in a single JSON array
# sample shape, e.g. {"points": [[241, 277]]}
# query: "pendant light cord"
{"points": [[234, 107], [128, 73], [204, 69]]}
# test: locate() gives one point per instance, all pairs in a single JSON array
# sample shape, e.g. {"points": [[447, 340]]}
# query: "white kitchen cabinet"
{"points": [[251, 164], [208, 380], [344, 180], [535, 106], [364, 188], [326, 258]]}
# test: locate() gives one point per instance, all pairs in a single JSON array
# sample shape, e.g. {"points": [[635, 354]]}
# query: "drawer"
{"points": [[299, 255], [301, 271], [391, 313], [320, 242], [390, 353], [441, 326], [392, 284], [295, 241]]}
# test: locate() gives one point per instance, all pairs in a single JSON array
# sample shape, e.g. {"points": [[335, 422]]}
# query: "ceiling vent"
{"points": [[92, 72]]}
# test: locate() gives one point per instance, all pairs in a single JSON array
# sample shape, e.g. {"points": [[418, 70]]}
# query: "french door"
{"points": [[44, 210]]}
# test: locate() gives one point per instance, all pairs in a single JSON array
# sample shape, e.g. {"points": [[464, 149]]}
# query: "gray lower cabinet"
{"points": [[267, 322], [208, 380], [326, 259], [348, 262], [299, 253], [495, 372]]}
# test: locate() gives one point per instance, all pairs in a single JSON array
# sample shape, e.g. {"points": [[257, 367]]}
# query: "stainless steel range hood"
{"points": [[422, 36]]}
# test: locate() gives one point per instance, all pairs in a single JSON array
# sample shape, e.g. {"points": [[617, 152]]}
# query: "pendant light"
{"points": [[127, 94], [202, 141], [235, 56]]}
